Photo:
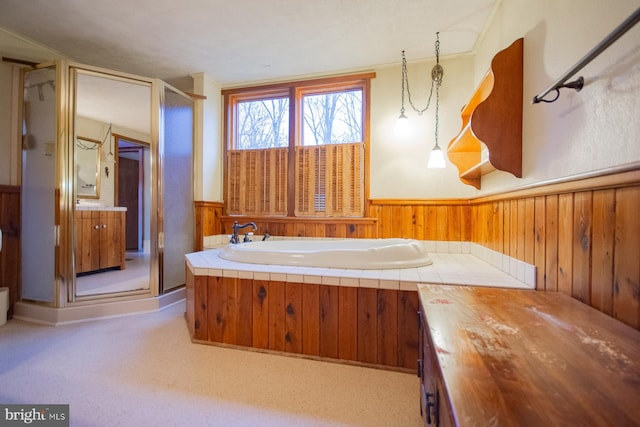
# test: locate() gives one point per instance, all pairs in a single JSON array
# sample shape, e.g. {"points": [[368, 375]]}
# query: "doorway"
{"points": [[132, 192]]}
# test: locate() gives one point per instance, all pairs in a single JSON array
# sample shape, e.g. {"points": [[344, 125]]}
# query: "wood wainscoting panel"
{"points": [[328, 322], [584, 243], [294, 317], [347, 323], [386, 316], [582, 213], [565, 240], [626, 268], [375, 327], [603, 234], [367, 329], [10, 255], [408, 304], [260, 314], [547, 278], [311, 319], [277, 314], [207, 221], [539, 239], [245, 312]]}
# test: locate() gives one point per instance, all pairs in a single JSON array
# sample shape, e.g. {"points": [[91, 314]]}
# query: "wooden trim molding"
{"points": [[299, 83], [625, 176], [287, 219], [9, 188], [205, 204], [419, 202]]}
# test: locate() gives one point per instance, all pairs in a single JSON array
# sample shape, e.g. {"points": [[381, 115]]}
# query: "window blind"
{"points": [[329, 180], [257, 182]]}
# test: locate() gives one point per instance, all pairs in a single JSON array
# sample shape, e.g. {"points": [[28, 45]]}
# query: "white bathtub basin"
{"points": [[361, 254]]}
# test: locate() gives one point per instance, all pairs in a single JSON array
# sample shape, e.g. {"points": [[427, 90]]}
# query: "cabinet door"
{"points": [[87, 241], [111, 239], [106, 244], [434, 407], [83, 241], [119, 240]]}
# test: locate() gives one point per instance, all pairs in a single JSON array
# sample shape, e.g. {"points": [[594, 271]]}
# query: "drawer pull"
{"points": [[431, 408]]}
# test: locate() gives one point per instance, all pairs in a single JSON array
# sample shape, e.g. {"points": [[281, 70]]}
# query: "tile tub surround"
{"points": [[454, 263], [347, 315]]}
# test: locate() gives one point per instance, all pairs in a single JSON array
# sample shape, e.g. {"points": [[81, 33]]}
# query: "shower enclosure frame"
{"points": [[64, 279]]}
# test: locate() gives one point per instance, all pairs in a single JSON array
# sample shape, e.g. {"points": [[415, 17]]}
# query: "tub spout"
{"points": [[236, 227]]}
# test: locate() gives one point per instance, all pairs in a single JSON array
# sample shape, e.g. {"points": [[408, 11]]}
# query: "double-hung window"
{"points": [[297, 149]]}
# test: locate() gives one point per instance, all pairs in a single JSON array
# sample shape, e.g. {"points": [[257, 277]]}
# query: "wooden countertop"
{"points": [[80, 207], [521, 357]]}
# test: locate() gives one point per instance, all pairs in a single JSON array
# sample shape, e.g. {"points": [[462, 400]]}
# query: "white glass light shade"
{"points": [[436, 159], [402, 127]]}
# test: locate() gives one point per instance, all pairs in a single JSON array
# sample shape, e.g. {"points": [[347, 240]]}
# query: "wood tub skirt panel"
{"points": [[355, 325]]}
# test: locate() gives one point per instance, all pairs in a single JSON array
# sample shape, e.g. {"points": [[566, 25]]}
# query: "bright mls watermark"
{"points": [[34, 415]]}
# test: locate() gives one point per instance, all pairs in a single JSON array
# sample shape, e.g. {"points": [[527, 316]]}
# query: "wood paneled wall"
{"points": [[583, 235], [10, 254], [207, 222], [585, 244], [366, 325]]}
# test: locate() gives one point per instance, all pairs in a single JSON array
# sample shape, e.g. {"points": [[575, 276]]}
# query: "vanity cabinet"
{"points": [[434, 408], [506, 357], [491, 134], [100, 240]]}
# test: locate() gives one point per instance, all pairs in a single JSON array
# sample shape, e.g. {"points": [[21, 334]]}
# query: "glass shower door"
{"points": [[176, 153], [38, 191]]}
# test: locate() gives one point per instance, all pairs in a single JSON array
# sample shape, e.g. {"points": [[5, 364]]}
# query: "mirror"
{"points": [[87, 168], [109, 110]]}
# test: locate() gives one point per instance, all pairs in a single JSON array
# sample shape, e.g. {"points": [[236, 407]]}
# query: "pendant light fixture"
{"points": [[109, 157], [436, 159]]}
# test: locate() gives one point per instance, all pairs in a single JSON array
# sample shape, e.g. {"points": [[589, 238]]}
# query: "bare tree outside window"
{"points": [[332, 118], [263, 124]]}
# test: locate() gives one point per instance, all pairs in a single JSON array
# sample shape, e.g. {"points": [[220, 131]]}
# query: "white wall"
{"points": [[208, 119], [582, 132], [399, 164], [13, 46]]}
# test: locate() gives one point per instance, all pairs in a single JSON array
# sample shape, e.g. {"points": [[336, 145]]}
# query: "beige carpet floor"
{"points": [[142, 370], [134, 277]]}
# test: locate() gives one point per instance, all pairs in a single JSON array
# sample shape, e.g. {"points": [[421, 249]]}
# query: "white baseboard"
{"points": [[37, 313]]}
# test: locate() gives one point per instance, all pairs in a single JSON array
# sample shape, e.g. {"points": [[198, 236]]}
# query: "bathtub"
{"points": [[361, 254]]}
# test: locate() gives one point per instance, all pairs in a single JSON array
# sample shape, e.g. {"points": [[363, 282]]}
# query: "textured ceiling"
{"points": [[246, 41]]}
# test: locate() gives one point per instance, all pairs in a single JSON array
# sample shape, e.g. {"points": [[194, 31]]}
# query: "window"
{"points": [[263, 123], [297, 149]]}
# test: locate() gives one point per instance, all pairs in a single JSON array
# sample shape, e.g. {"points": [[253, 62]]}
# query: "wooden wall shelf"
{"points": [[492, 121]]}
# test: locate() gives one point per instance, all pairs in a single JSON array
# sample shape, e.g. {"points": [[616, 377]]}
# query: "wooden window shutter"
{"points": [[257, 182], [329, 180]]}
